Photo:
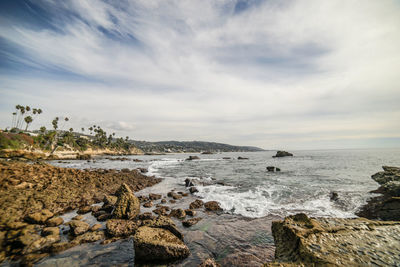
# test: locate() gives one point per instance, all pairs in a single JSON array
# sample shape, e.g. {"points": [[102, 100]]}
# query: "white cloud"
{"points": [[267, 76]]}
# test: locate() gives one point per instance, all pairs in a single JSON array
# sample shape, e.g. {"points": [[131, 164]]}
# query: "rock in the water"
{"points": [[154, 196], [193, 190], [273, 169], [104, 217], [386, 206], [197, 204], [334, 196], [163, 210], [84, 209], [121, 228], [163, 201], [165, 223], [209, 263], [242, 158], [56, 221], [148, 204], [108, 199], [39, 217], [192, 158], [280, 154], [305, 241], [127, 205], [191, 222], [157, 244], [188, 182], [190, 212], [178, 213], [78, 227], [212, 206], [95, 227]]}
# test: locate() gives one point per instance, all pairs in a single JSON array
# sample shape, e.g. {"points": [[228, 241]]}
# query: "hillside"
{"points": [[190, 146]]}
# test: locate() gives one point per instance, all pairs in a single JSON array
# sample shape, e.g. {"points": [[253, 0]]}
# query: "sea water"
{"points": [[245, 187]]}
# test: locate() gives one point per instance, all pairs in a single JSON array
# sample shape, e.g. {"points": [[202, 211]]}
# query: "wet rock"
{"points": [[209, 263], [165, 223], [185, 194], [83, 156], [163, 210], [104, 217], [146, 216], [191, 222], [242, 158], [172, 201], [121, 228], [60, 246], [39, 217], [212, 206], [226, 158], [178, 213], [85, 209], [143, 199], [161, 244], [77, 217], [88, 237], [193, 190], [143, 170], [56, 221], [386, 206], [41, 244], [78, 227], [207, 153], [30, 259], [280, 154], [148, 204], [108, 208], [99, 213], [95, 227], [190, 212], [193, 158], [271, 168], [188, 182], [334, 196], [51, 231], [154, 196], [306, 241], [163, 201], [127, 205], [174, 195], [197, 204], [108, 199]]}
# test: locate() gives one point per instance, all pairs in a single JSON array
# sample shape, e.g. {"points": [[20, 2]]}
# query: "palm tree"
{"points": [[28, 120], [14, 117]]}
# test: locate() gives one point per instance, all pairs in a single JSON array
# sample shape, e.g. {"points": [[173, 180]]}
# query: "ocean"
{"points": [[244, 187]]}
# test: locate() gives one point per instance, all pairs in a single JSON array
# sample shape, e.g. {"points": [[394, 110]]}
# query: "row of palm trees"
{"points": [[24, 114]]}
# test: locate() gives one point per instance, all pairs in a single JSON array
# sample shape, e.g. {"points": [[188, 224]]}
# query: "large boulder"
{"points": [[304, 241], [197, 204], [158, 245], [165, 223], [127, 205], [281, 154], [121, 228], [212, 206]]}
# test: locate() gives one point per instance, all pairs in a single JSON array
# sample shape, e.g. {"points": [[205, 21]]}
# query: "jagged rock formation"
{"points": [[304, 241], [387, 206], [281, 154]]}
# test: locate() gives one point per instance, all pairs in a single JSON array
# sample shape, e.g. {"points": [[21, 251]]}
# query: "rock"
{"points": [[165, 223], [207, 153], [56, 221], [127, 205], [88, 237], [104, 217], [161, 244], [108, 199], [197, 204], [193, 190], [212, 206], [95, 227], [178, 213], [188, 182], [143, 199], [226, 158], [85, 209], [172, 201], [148, 204], [280, 154], [191, 222], [60, 246], [78, 227], [51, 231], [108, 208], [143, 170], [146, 216], [121, 228], [185, 194], [190, 212], [209, 263], [386, 206], [154, 196], [334, 196], [83, 156], [77, 217], [242, 158], [39, 217], [304, 241], [163, 210], [193, 158], [163, 201], [99, 213], [273, 169]]}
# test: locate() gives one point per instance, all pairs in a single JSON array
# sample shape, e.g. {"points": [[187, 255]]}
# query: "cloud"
{"points": [[266, 73]]}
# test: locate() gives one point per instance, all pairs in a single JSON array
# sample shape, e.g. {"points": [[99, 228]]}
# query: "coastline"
{"points": [[232, 240]]}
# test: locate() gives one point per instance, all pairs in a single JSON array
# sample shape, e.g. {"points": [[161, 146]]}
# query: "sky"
{"points": [[304, 74]]}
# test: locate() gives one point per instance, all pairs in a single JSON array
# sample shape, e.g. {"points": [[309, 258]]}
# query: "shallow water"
{"points": [[303, 185]]}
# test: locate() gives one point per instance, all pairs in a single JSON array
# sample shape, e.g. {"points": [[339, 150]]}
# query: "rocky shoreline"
{"points": [[47, 211]]}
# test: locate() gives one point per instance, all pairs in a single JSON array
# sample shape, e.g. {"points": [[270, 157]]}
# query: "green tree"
{"points": [[28, 120]]}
